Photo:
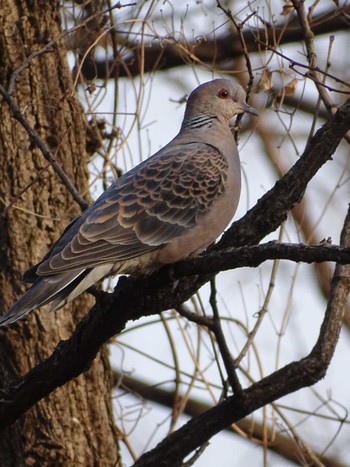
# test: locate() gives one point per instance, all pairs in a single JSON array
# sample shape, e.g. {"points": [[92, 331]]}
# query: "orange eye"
{"points": [[223, 94]]}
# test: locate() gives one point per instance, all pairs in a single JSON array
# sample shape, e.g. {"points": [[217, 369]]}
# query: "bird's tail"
{"points": [[57, 290]]}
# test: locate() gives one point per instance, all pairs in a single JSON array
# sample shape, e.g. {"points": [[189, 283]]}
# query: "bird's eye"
{"points": [[223, 94]]}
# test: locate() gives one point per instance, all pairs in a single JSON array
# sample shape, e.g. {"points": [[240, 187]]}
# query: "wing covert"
{"points": [[149, 206]]}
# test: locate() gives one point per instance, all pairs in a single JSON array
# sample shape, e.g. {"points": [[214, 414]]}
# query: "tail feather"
{"points": [[43, 291], [57, 290], [81, 283]]}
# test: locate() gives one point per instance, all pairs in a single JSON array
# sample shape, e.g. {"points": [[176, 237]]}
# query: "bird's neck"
{"points": [[202, 128], [194, 122]]}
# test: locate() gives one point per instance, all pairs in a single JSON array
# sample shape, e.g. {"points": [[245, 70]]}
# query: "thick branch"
{"points": [[167, 54], [292, 377], [272, 209], [282, 444], [253, 256], [203, 427]]}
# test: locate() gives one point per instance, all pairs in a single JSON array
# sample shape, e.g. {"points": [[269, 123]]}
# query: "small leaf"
{"points": [[287, 8], [289, 88], [265, 82]]}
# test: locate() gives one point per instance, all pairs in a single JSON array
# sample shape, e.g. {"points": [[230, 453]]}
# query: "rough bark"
{"points": [[74, 425]]}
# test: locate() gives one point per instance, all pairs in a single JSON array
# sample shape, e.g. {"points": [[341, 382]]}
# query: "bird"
{"points": [[171, 206]]}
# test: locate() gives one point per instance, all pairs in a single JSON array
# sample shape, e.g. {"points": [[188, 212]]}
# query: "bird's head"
{"points": [[220, 98]]}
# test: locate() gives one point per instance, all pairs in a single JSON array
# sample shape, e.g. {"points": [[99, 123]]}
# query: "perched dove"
{"points": [[171, 206]]}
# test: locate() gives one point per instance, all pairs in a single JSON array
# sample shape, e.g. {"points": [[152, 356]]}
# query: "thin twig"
{"points": [[221, 341], [53, 42], [198, 319], [319, 100], [26, 63], [311, 55], [294, 63], [261, 315], [34, 136], [239, 30]]}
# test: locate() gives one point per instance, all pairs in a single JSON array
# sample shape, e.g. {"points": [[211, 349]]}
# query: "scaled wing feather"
{"points": [[154, 203]]}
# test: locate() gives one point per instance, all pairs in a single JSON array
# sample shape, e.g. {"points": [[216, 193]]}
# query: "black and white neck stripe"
{"points": [[199, 121]]}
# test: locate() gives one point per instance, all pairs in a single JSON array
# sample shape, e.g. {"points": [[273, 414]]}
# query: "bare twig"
{"points": [[17, 114], [312, 57], [261, 315], [201, 320], [315, 70], [239, 30], [222, 344], [26, 63]]}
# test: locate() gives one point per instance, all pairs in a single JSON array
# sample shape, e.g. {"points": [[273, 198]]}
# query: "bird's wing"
{"points": [[159, 200]]}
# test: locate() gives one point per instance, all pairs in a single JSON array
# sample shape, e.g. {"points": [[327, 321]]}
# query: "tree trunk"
{"points": [[74, 426]]}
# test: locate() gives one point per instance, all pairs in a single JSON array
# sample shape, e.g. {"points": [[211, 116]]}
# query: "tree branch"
{"points": [[253, 256], [272, 209], [167, 54], [282, 444], [288, 379]]}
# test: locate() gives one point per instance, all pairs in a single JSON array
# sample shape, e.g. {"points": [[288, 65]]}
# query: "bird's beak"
{"points": [[248, 109]]}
